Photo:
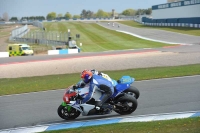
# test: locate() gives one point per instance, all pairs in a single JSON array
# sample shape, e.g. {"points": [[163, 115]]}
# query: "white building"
{"points": [[187, 12]]}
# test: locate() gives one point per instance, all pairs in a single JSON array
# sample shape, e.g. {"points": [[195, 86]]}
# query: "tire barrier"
{"points": [[4, 54], [63, 51]]}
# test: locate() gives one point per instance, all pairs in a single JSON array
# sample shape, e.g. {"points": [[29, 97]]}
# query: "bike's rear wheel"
{"points": [[133, 90], [67, 114], [126, 105]]}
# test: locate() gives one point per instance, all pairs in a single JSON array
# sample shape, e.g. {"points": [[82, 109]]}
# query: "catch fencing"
{"points": [[24, 35], [47, 38], [19, 32]]}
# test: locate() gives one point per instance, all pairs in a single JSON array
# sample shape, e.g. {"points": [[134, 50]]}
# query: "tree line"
{"points": [[99, 14], [32, 18], [84, 14]]}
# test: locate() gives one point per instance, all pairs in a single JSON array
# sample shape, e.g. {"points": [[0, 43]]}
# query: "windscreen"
{"points": [[26, 48]]}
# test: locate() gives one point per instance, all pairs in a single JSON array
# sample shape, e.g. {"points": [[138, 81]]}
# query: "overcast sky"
{"points": [[20, 8]]}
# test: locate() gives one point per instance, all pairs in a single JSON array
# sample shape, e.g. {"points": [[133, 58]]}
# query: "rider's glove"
{"points": [[99, 73], [78, 101]]}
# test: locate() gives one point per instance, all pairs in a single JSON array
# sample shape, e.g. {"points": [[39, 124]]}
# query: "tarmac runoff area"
{"points": [[101, 63]]}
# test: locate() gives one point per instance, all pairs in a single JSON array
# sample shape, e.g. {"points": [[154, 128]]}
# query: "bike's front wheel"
{"points": [[67, 112]]}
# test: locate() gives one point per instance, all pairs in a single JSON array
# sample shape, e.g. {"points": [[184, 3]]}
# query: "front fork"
{"points": [[64, 104]]}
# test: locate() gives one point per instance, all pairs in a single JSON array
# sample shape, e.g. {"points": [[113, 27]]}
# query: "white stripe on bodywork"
{"points": [[94, 81]]}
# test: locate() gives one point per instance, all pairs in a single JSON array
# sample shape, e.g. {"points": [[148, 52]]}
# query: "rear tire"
{"points": [[132, 90], [67, 115], [124, 108]]}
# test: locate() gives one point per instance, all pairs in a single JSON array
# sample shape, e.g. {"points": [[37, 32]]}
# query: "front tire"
{"points": [[126, 105], [66, 114]]}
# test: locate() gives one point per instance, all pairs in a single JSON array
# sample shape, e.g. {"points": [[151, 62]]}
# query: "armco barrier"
{"points": [[4, 54], [174, 24]]}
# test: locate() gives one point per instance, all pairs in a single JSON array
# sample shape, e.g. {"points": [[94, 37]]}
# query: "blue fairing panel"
{"points": [[119, 88]]}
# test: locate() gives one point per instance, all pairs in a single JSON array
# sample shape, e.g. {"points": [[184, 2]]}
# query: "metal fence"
{"points": [[43, 37], [24, 35], [19, 32], [38, 24]]}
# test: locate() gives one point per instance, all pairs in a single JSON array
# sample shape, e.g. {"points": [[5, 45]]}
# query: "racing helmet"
{"points": [[86, 75]]}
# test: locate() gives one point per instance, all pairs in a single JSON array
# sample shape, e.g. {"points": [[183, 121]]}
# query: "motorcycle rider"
{"points": [[95, 80], [102, 74]]}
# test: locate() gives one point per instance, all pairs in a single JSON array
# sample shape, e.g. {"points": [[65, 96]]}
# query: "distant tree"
{"points": [[68, 15], [144, 11], [100, 13], [94, 15], [32, 18], [51, 15], [39, 18], [140, 12], [24, 18], [14, 19], [59, 15], [42, 17], [129, 12], [89, 14], [5, 16], [76, 16], [86, 14], [109, 14], [83, 13], [148, 11], [126, 13]]}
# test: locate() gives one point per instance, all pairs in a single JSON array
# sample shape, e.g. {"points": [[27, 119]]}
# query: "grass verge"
{"points": [[96, 38], [183, 30], [187, 125], [52, 82]]}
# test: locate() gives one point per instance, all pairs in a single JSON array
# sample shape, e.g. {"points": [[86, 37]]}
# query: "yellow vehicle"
{"points": [[19, 50]]}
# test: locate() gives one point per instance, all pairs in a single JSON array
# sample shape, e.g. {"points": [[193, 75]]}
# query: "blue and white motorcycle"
{"points": [[124, 100]]}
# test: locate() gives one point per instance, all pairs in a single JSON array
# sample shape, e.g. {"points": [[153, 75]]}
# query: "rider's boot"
{"points": [[106, 95], [105, 107]]}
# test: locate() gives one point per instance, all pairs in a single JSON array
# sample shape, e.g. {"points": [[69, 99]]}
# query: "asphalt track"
{"points": [[155, 34], [157, 96]]}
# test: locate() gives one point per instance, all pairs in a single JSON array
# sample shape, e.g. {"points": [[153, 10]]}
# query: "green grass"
{"points": [[42, 48], [52, 82], [96, 38], [187, 125], [4, 34], [183, 30], [3, 31]]}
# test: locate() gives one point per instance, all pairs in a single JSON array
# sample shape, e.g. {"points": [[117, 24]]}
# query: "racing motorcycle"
{"points": [[124, 100]]}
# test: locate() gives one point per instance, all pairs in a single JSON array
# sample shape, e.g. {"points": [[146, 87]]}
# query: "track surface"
{"points": [[157, 96], [156, 34]]}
